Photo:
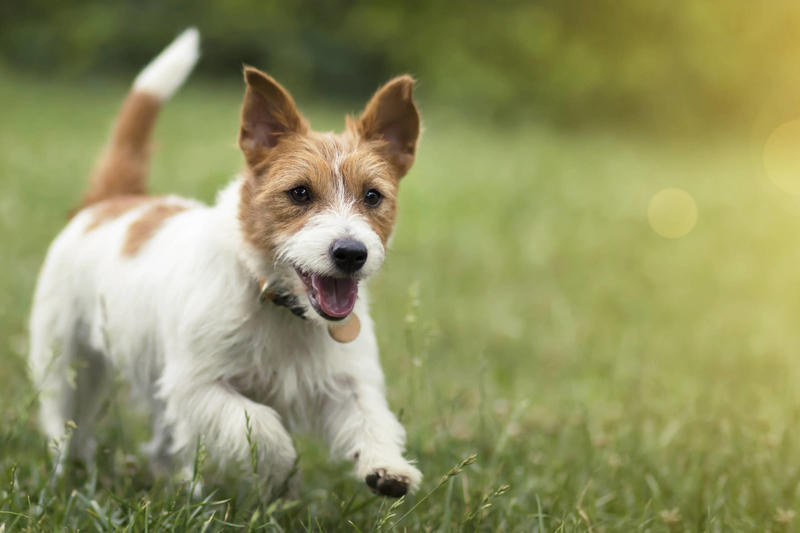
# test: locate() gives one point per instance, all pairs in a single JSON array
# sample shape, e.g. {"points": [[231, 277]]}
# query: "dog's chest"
{"points": [[283, 361]]}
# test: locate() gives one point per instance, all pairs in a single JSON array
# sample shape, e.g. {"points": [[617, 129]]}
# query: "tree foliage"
{"points": [[566, 60]]}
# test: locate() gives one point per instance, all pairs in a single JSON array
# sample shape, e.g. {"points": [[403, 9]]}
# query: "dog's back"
{"points": [[68, 334]]}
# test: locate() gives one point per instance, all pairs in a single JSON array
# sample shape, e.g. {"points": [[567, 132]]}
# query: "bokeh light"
{"points": [[782, 157], [672, 213]]}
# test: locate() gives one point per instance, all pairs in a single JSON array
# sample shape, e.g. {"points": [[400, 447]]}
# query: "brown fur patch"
{"points": [[363, 170], [268, 114], [122, 169], [392, 116], [373, 152], [146, 226], [267, 213], [113, 208], [324, 163]]}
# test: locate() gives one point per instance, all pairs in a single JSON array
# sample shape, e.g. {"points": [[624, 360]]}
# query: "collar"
{"points": [[344, 332], [276, 296]]}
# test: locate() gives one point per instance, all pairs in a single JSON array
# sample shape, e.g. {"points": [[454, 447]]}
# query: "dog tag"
{"points": [[346, 332]]}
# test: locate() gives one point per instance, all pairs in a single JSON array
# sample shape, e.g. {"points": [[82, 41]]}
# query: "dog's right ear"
{"points": [[268, 113]]}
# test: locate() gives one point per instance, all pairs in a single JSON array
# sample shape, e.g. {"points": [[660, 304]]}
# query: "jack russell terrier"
{"points": [[237, 322]]}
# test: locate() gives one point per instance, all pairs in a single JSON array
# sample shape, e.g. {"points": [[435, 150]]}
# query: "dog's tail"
{"points": [[122, 169]]}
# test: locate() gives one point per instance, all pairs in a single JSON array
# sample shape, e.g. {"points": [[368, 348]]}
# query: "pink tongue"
{"points": [[336, 296]]}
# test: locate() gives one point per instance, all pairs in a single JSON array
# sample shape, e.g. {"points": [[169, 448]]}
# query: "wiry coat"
{"points": [[164, 291]]}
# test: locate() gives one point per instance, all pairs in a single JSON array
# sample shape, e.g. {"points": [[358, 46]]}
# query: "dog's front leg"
{"points": [[229, 424], [360, 427]]}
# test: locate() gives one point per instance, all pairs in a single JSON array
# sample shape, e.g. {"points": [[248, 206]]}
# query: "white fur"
{"points": [[180, 321], [308, 248], [170, 68]]}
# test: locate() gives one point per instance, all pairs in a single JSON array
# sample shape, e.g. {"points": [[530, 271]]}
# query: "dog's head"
{"points": [[321, 207]]}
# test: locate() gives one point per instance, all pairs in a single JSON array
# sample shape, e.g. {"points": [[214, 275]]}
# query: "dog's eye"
{"points": [[300, 195], [373, 198]]}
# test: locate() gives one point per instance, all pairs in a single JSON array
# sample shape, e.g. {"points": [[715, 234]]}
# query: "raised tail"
{"points": [[122, 169]]}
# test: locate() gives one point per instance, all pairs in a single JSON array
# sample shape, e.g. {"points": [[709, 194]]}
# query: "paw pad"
{"points": [[387, 484]]}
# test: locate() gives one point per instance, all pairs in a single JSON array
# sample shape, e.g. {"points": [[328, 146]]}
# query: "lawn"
{"points": [[592, 374]]}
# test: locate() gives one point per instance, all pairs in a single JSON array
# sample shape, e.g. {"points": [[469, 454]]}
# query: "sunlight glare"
{"points": [[672, 213], [782, 157]]}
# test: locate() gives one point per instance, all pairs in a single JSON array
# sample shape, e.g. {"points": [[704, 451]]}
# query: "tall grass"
{"points": [[558, 365]]}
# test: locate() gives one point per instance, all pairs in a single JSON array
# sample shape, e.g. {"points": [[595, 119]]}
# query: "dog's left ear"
{"points": [[392, 116]]}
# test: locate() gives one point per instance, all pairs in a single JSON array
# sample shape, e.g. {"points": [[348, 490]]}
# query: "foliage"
{"points": [[655, 64]]}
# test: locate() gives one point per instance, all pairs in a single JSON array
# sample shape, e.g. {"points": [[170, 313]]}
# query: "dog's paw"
{"points": [[393, 481], [281, 466]]}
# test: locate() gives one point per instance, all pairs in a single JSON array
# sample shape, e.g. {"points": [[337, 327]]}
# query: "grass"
{"points": [[558, 365]]}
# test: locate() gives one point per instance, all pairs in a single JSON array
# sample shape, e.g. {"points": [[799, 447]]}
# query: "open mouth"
{"points": [[333, 298]]}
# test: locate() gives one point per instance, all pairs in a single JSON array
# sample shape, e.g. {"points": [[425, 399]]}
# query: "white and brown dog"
{"points": [[171, 293]]}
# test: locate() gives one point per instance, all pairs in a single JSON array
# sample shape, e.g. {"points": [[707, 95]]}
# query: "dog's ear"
{"points": [[268, 113], [391, 116]]}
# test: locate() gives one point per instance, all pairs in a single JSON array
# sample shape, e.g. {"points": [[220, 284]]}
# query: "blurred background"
{"points": [[658, 65], [594, 282]]}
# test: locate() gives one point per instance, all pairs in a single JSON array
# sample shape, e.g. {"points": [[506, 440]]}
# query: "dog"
{"points": [[238, 322]]}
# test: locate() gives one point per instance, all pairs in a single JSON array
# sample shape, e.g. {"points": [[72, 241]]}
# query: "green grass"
{"points": [[604, 377]]}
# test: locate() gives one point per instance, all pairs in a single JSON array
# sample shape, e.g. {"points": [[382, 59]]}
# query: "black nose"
{"points": [[348, 255]]}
